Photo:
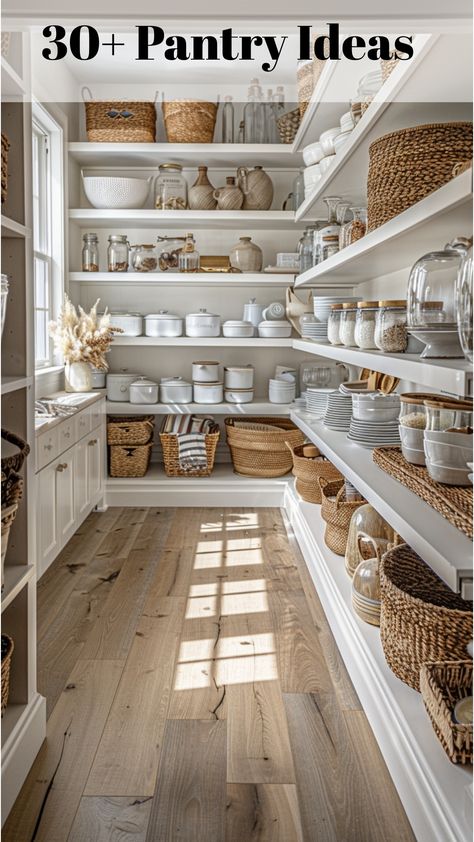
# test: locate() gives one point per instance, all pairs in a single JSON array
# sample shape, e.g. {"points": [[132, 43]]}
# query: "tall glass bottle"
{"points": [[228, 120], [298, 189], [305, 249], [271, 128], [254, 115]]}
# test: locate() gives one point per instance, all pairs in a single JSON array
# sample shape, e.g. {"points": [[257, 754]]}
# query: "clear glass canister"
{"points": [[452, 415], [188, 259], [464, 306], [90, 253], [169, 249], [432, 287], [364, 333], [348, 323], [171, 188], [305, 249], [144, 258], [391, 334], [117, 253], [334, 324]]}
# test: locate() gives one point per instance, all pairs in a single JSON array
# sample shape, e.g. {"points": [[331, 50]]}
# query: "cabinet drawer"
{"points": [[97, 413], [67, 434], [47, 448], [83, 423]]}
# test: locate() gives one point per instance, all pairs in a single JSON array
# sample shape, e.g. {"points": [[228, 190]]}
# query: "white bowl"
{"points": [[312, 174], [326, 162], [443, 437], [378, 408], [341, 141], [238, 329], [448, 476], [274, 330], [448, 455], [114, 193], [413, 455], [312, 154], [326, 140], [347, 120], [412, 438]]}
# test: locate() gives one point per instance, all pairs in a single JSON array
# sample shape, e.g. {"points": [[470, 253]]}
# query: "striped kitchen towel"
{"points": [[192, 451]]}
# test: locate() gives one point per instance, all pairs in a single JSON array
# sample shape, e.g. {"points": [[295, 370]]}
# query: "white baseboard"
{"points": [[20, 749]]}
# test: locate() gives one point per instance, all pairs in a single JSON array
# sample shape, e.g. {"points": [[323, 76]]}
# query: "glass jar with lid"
{"points": [[364, 333], [305, 249], [464, 305], [169, 249], [412, 425], [451, 415], [391, 334], [171, 188], [144, 258], [329, 234], [117, 253], [348, 323], [188, 259], [90, 252], [334, 324]]}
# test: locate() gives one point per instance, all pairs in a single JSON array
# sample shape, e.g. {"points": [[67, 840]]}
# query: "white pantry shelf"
{"points": [[450, 376], [261, 406], [428, 224], [12, 384], [15, 578], [201, 342], [182, 279], [193, 219], [433, 791], [275, 155], [12, 228], [447, 550]]}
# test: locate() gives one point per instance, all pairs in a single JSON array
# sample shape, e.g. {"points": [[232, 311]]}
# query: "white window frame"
{"points": [[51, 252]]}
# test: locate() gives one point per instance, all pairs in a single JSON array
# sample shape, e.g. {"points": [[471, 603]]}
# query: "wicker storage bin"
{"points": [[407, 165], [262, 452], [308, 466], [129, 460], [14, 463], [5, 148], [422, 619], [305, 81], [288, 125], [170, 446], [119, 122], [189, 121], [442, 685], [130, 429], [337, 512], [7, 652]]}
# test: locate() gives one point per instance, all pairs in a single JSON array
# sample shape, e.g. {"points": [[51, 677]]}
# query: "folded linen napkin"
{"points": [[192, 451]]}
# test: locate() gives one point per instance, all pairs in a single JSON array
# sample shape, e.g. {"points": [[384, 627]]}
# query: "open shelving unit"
{"points": [[243, 220], [251, 280]]}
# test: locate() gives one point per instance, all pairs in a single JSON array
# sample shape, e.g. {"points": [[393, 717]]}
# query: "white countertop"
{"points": [[79, 400]]}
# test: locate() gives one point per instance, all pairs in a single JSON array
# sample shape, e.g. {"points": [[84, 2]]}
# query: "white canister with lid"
{"points": [[163, 324], [208, 392], [175, 390], [98, 378], [143, 390], [130, 323], [238, 328], [274, 330], [238, 377], [203, 324], [118, 386], [205, 371], [253, 313], [238, 395]]}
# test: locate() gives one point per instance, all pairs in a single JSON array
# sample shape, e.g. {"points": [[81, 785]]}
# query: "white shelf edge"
{"points": [[201, 342], [449, 376], [432, 790], [276, 155], [150, 218], [13, 384], [16, 576], [176, 279], [443, 547], [12, 228], [257, 407]]}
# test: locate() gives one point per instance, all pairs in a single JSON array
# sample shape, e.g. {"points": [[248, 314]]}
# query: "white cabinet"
{"points": [[95, 463], [65, 496], [46, 517], [81, 479]]}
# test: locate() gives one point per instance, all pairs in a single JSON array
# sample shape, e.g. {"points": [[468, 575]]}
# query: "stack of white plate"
{"points": [[374, 433], [316, 401], [315, 330], [339, 411], [322, 305]]}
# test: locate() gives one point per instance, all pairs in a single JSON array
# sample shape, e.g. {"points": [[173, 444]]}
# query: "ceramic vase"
{"points": [[229, 197], [257, 188], [246, 256], [78, 377], [201, 194]]}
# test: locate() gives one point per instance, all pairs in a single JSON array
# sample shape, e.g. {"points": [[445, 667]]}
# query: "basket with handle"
{"points": [[308, 465], [259, 447], [14, 462], [442, 685], [129, 460], [189, 121], [120, 121], [173, 467], [337, 512], [130, 430], [7, 653]]}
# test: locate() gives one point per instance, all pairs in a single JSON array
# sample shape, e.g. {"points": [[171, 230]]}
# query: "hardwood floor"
{"points": [[195, 692]]}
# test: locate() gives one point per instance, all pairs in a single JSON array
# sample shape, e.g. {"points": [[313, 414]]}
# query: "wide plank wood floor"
{"points": [[195, 692]]}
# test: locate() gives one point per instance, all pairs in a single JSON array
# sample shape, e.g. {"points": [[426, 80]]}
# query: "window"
{"points": [[47, 230]]}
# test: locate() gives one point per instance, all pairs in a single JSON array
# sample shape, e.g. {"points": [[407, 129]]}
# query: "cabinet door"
{"points": [[81, 480], [65, 496], [46, 517], [95, 448]]}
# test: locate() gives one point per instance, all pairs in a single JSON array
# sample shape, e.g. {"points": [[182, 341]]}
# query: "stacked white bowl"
{"points": [[319, 156], [448, 456], [281, 390], [374, 419]]}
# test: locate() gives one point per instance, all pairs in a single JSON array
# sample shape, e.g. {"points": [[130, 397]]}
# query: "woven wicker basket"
{"points": [[407, 165], [170, 446], [305, 81], [5, 148], [308, 466], [189, 121], [337, 512], [129, 460], [14, 463], [127, 430], [119, 122], [288, 125], [422, 619], [262, 453], [7, 652], [442, 685], [12, 490]]}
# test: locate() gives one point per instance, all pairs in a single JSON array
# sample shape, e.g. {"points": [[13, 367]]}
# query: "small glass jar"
{"points": [[117, 253], [453, 415], [348, 323], [391, 334], [364, 333], [90, 253], [305, 249], [413, 410], [188, 259], [144, 258], [357, 227], [334, 324], [169, 249], [171, 188]]}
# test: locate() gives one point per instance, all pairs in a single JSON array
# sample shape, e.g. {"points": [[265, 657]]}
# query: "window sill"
{"points": [[52, 369]]}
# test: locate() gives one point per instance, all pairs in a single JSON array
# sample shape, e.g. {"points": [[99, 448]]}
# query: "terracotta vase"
{"points": [[257, 188], [229, 197], [246, 256], [201, 194]]}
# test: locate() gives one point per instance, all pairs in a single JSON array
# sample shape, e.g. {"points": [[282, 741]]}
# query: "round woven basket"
{"points": [[422, 619], [189, 121], [288, 125], [308, 465], [14, 463], [407, 165], [7, 652], [337, 512], [262, 452], [120, 122], [305, 81]]}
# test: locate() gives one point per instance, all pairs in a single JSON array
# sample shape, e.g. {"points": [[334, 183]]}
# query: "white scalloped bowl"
{"points": [[116, 193]]}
